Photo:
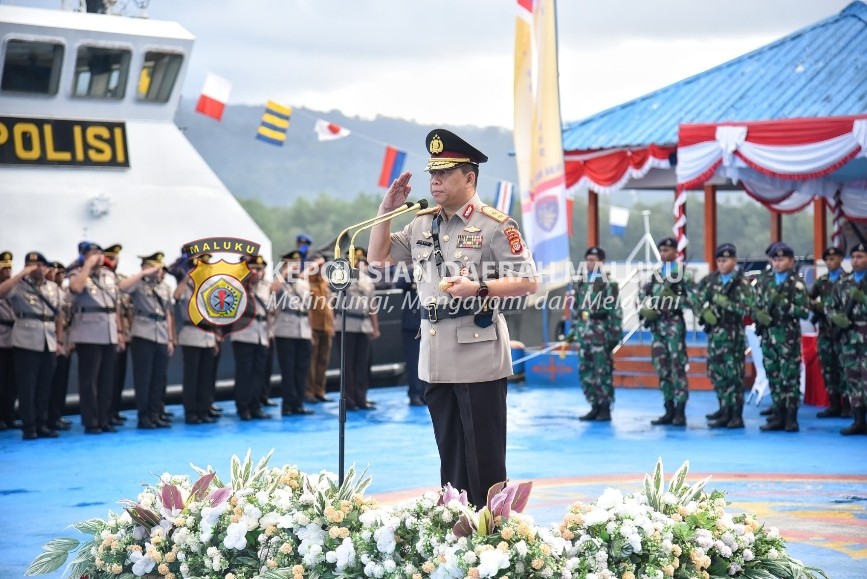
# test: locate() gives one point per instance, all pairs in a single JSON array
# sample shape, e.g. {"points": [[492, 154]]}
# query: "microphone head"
{"points": [[408, 204], [422, 203]]}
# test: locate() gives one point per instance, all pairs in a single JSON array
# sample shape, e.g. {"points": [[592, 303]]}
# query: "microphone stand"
{"points": [[340, 274]]}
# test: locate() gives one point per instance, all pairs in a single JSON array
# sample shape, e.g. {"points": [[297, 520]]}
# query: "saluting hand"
{"points": [[397, 193]]}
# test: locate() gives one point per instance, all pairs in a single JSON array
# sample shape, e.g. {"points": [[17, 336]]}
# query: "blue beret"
{"points": [[783, 250], [726, 250]]}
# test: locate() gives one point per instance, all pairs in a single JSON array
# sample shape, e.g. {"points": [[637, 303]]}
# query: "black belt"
{"points": [[32, 316], [94, 310], [261, 318], [150, 316], [9, 323], [435, 314]]}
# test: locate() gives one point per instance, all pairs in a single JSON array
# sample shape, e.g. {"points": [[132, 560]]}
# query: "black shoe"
{"points": [[67, 424], [119, 416], [116, 421], [45, 432], [213, 413], [29, 434], [108, 428], [61, 425], [267, 402], [192, 420], [370, 402], [679, 414], [166, 414], [302, 411], [160, 423], [259, 415], [215, 409], [312, 400], [416, 401], [93, 430], [367, 406], [146, 425], [594, 412], [207, 419], [323, 398], [3, 425], [245, 415], [668, 417], [604, 412], [166, 417]]}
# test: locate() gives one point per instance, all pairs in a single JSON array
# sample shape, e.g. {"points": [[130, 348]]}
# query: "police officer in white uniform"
{"points": [[153, 337], [250, 347], [36, 303], [7, 374], [95, 313], [465, 255], [292, 333]]}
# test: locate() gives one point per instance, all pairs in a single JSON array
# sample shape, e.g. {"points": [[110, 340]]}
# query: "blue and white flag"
{"points": [[503, 197], [618, 218]]}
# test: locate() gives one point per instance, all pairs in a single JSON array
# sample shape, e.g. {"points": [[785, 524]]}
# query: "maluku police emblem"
{"points": [[221, 302]]}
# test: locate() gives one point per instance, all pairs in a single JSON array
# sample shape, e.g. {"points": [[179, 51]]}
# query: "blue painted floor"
{"points": [[812, 485]]}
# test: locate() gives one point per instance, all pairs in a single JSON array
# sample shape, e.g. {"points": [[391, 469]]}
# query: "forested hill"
{"points": [[305, 167]]}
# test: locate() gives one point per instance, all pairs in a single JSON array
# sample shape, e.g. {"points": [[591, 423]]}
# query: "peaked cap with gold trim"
{"points": [[447, 151], [154, 259], [5, 259]]}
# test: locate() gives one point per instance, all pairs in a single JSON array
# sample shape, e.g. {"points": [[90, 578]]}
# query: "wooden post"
{"points": [[710, 226], [592, 218], [820, 229], [776, 226]]}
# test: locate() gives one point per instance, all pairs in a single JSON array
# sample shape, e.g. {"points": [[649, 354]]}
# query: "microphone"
{"points": [[365, 222], [418, 205]]}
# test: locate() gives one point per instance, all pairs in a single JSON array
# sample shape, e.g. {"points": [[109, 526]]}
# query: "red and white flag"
{"points": [[215, 94], [326, 131]]}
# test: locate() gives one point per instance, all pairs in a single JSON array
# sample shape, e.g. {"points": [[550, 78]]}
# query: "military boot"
{"points": [[594, 412], [769, 411], [668, 416], [604, 412], [860, 424], [833, 411], [792, 418], [679, 414], [719, 412], [776, 421], [845, 408], [723, 419], [737, 417]]}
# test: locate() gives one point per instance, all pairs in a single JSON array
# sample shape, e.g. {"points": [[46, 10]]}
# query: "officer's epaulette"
{"points": [[430, 210], [494, 214]]}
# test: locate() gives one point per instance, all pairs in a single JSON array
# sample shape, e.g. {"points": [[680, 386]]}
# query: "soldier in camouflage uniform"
{"points": [[597, 327], [848, 313], [781, 302], [664, 298], [722, 298], [830, 351]]}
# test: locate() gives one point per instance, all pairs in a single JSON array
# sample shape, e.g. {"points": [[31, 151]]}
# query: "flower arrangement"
{"points": [[280, 523]]}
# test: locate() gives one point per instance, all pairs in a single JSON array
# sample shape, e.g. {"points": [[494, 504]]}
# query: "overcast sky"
{"points": [[451, 61]]}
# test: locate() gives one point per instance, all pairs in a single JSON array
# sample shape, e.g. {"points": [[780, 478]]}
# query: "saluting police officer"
{"points": [[830, 351], [782, 301], [465, 255], [36, 303], [723, 296], [848, 313], [664, 297], [96, 308], [597, 327], [292, 334], [153, 338], [7, 375], [250, 346]]}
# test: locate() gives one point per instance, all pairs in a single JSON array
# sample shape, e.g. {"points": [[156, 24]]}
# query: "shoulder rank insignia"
{"points": [[494, 214], [429, 211]]}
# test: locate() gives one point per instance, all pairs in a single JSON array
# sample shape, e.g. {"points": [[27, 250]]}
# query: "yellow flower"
{"points": [[668, 570], [286, 548], [271, 563], [163, 569], [473, 573], [676, 550], [172, 555], [546, 549], [507, 533], [230, 576], [628, 575], [116, 568], [298, 571], [428, 567], [503, 546], [537, 564]]}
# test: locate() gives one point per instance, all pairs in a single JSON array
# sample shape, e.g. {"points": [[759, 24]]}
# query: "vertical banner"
{"points": [[538, 141]]}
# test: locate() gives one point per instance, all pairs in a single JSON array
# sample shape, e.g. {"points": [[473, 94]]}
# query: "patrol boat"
{"points": [[88, 144]]}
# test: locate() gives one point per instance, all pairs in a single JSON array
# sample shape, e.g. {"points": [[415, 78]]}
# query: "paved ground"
{"points": [[812, 485]]}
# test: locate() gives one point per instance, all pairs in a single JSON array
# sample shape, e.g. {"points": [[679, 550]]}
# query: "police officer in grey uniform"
{"points": [[199, 349], [465, 255], [292, 333], [250, 347], [94, 332], [60, 380], [36, 303], [7, 374], [153, 337]]}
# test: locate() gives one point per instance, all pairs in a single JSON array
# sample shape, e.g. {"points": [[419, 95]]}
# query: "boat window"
{"points": [[32, 67], [158, 75], [101, 72]]}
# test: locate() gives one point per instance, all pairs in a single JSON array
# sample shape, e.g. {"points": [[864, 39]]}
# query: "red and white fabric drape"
{"points": [[782, 164], [609, 170]]}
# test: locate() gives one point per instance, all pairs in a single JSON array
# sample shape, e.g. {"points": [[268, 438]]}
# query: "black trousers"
{"points": [[7, 387], [469, 423], [357, 366], [293, 354], [119, 380], [270, 355], [198, 380], [33, 373], [249, 372], [149, 363], [415, 387], [59, 388], [96, 382]]}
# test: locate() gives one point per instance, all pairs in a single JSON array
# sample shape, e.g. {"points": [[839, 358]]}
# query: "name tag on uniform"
{"points": [[470, 241], [423, 242]]}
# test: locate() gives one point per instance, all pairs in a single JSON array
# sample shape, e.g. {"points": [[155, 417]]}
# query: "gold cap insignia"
{"points": [[436, 145]]}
